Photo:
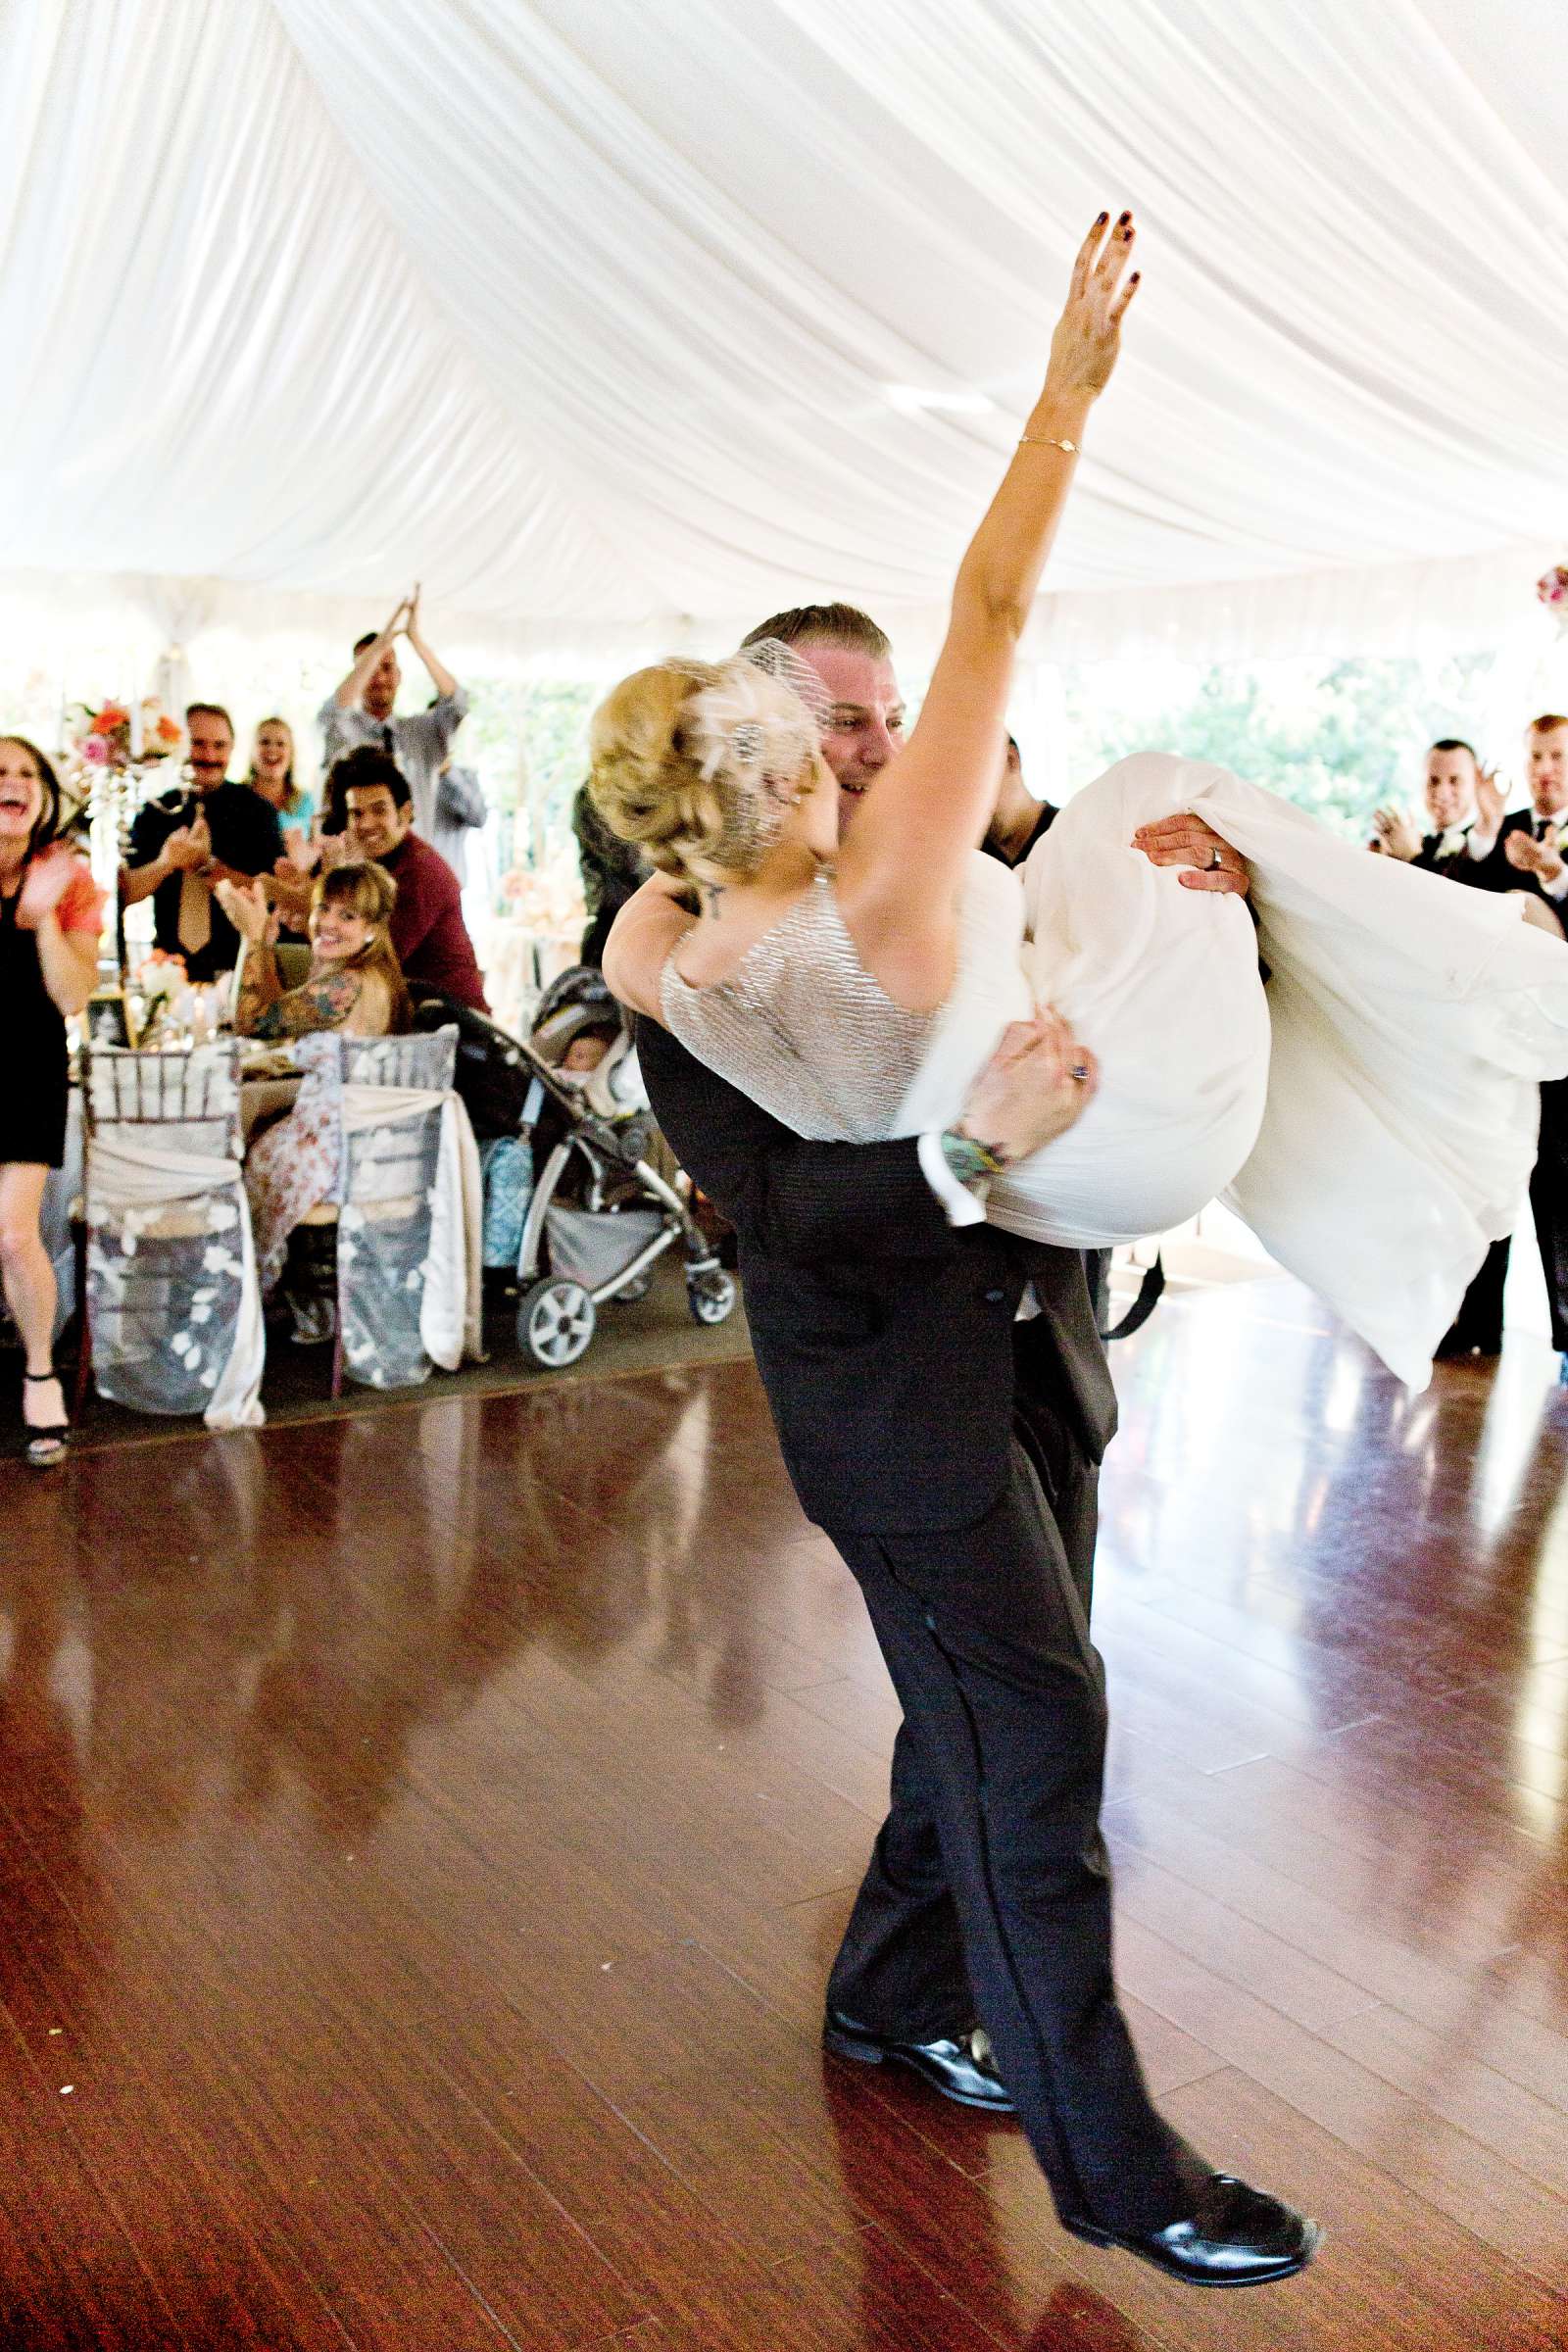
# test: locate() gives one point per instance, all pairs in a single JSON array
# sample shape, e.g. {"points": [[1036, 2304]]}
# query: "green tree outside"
{"points": [[1336, 738]]}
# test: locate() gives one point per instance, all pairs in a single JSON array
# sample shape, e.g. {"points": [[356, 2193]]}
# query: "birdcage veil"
{"points": [[753, 732]]}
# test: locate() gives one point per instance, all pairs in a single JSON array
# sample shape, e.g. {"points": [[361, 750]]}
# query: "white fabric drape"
{"points": [[587, 318], [129, 1174], [452, 1299]]}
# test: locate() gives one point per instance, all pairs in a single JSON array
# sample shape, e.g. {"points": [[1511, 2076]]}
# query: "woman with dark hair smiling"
{"points": [[50, 913]]}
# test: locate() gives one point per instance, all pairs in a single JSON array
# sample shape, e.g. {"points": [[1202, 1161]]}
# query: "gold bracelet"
{"points": [[1041, 441]]}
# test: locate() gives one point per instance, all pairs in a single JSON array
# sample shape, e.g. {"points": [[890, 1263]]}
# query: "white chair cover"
{"points": [[201, 1349], [448, 1275]]}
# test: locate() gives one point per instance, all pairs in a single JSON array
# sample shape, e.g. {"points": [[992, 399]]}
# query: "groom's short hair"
{"points": [[1455, 742], [825, 624]]}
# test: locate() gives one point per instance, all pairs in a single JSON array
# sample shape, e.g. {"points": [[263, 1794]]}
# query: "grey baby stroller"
{"points": [[600, 1216]]}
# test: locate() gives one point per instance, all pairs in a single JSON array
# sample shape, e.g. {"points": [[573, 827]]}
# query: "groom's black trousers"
{"points": [[988, 1894], [892, 1364]]}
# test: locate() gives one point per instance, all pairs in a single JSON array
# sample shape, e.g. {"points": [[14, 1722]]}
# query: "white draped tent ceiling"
{"points": [[592, 313]]}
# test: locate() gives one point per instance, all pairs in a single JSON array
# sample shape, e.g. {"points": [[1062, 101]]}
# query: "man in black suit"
{"points": [[1459, 847], [1523, 852], [1020, 820], [952, 1455], [1451, 789], [187, 840]]}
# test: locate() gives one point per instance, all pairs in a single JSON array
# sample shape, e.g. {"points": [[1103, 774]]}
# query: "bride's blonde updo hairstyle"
{"points": [[698, 763]]}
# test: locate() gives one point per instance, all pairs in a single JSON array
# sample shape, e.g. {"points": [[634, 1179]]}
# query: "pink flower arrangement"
{"points": [[1552, 586], [99, 735]]}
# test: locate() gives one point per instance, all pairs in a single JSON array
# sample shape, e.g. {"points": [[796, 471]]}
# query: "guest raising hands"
{"points": [[50, 915], [355, 982]]}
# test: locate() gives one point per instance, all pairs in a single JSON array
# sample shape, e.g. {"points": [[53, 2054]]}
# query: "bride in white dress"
{"points": [[1370, 1112]]}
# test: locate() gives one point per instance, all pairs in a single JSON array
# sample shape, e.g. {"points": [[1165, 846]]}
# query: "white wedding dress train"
{"points": [[1371, 1113]]}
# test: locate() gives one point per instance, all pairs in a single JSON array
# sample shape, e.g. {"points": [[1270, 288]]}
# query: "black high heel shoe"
{"points": [[46, 1447]]}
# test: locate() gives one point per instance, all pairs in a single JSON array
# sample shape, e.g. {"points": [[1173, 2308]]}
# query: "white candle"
{"points": [[136, 722]]}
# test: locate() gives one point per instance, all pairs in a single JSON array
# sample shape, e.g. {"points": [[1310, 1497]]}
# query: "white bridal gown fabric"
{"points": [[1371, 1113]]}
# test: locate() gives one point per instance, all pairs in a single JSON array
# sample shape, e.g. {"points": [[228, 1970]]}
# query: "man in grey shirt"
{"points": [[361, 712]]}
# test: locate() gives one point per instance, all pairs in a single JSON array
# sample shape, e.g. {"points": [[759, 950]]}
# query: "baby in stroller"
{"points": [[575, 1215], [579, 1029]]}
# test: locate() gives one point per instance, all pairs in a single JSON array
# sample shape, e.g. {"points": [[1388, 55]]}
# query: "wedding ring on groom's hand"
{"points": [[1216, 860]]}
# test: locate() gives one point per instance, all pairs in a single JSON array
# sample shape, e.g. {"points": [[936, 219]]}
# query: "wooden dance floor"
{"points": [[423, 1836]]}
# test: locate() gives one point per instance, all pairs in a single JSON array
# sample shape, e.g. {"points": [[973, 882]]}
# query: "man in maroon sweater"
{"points": [[429, 931]]}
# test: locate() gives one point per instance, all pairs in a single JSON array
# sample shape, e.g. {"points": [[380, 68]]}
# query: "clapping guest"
{"points": [[186, 841], [271, 774], [428, 930], [355, 982], [50, 915], [1524, 852], [360, 713], [1530, 841], [354, 986], [1453, 788]]}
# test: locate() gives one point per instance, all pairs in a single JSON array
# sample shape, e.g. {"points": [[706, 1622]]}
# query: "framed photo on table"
{"points": [[107, 1018]]}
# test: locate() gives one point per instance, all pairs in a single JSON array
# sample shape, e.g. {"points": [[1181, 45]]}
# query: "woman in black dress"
{"points": [[49, 918]]}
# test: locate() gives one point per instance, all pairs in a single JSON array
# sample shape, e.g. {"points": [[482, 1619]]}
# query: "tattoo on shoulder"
{"points": [[712, 893], [324, 1003]]}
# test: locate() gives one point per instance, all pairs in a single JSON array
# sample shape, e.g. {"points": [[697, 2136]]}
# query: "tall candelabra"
{"points": [[116, 794]]}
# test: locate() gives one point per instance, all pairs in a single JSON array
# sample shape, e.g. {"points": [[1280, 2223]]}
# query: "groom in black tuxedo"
{"points": [[951, 1451]]}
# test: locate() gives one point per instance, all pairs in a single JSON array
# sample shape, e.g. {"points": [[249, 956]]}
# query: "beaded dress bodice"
{"points": [[802, 1027]]}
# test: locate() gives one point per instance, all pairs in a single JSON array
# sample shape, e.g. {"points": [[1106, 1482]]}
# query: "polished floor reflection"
{"points": [[422, 1837]]}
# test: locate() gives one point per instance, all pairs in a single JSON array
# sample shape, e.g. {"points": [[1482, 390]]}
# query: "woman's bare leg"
{"points": [[28, 1281]]}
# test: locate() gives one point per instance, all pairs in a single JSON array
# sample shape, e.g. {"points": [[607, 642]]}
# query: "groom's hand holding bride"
{"points": [[1039, 1082], [1207, 862]]}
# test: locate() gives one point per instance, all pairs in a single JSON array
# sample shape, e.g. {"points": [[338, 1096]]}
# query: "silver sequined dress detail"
{"points": [[802, 1028]]}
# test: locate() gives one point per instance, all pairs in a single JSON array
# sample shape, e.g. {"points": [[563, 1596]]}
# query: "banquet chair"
{"points": [[384, 1216], [158, 1290]]}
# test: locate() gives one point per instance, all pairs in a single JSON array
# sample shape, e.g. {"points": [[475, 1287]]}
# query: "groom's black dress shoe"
{"points": [[963, 2068], [1237, 2238]]}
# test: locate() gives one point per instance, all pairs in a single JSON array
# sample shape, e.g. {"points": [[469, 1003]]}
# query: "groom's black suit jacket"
{"points": [[884, 1336]]}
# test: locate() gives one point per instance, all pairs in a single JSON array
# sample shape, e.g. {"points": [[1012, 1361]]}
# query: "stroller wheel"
{"points": [[635, 1290], [555, 1321], [711, 1295]]}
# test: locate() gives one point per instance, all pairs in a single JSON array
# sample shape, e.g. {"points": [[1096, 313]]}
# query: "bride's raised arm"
{"points": [[901, 863]]}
